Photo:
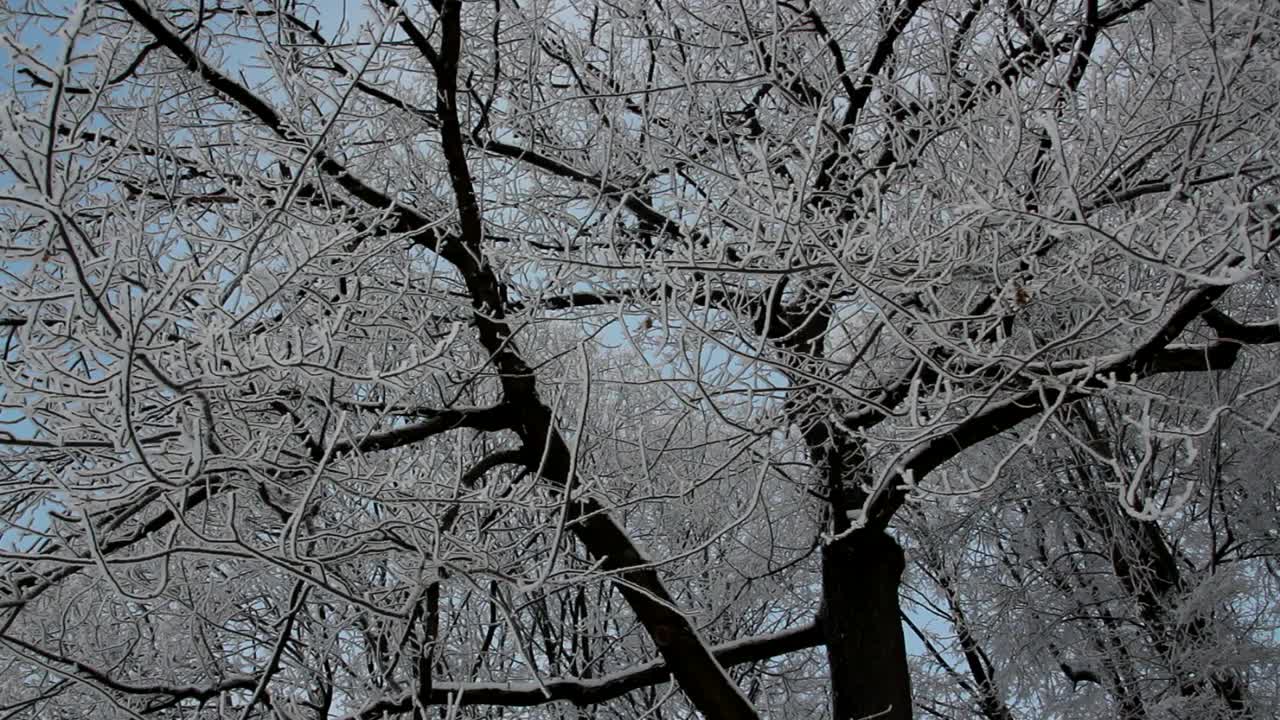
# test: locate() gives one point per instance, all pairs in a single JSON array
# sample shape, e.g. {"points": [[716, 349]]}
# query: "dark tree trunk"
{"points": [[861, 573], [862, 627]]}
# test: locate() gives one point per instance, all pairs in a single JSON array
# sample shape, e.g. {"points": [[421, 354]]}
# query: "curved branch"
{"points": [[596, 690], [1155, 356]]}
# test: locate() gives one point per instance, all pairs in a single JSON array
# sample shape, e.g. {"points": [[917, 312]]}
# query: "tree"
{"points": [[1151, 617], [494, 354]]}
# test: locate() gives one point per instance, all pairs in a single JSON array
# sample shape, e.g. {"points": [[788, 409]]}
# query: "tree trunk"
{"points": [[862, 627]]}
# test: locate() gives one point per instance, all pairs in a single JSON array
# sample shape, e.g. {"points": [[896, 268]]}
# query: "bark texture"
{"points": [[865, 647]]}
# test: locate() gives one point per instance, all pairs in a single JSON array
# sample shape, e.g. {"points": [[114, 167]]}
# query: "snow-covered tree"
{"points": [[601, 358]]}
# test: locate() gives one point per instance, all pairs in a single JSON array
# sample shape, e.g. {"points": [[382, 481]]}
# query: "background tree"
{"points": [[1145, 617], [364, 360]]}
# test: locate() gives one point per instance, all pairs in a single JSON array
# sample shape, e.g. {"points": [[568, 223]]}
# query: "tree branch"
{"points": [[596, 690], [1150, 358]]}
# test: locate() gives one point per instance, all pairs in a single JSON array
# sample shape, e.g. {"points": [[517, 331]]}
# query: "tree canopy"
{"points": [[591, 358]]}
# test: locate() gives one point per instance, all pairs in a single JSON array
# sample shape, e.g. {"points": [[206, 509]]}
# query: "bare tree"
{"points": [[362, 360]]}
